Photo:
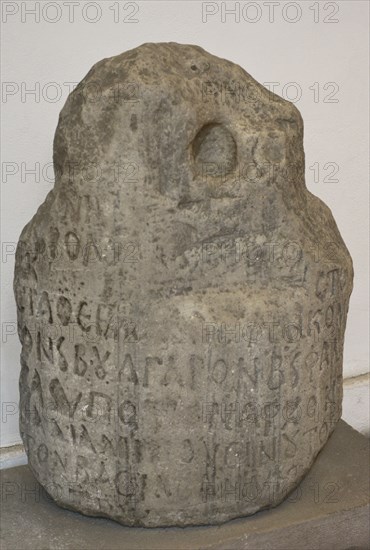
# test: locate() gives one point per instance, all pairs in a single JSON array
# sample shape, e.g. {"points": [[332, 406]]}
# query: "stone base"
{"points": [[330, 510]]}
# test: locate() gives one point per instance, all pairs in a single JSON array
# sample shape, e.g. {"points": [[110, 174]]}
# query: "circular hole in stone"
{"points": [[214, 150]]}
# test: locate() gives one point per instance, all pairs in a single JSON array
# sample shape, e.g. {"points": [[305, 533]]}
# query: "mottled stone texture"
{"points": [[182, 297]]}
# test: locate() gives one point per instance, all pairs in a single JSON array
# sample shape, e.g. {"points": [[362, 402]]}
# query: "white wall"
{"points": [[324, 53]]}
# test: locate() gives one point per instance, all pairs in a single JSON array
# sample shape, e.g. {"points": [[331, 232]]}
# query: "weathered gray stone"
{"points": [[329, 510], [182, 297]]}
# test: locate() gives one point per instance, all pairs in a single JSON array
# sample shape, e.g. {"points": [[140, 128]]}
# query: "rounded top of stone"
{"points": [[154, 62], [162, 95]]}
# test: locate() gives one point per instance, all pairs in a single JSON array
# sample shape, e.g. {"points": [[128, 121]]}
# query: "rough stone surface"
{"points": [[182, 297], [329, 510]]}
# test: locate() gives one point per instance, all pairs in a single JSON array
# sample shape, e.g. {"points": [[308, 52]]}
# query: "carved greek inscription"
{"points": [[128, 371], [43, 311], [211, 450], [127, 414], [330, 283], [276, 375], [99, 405], [45, 351], [44, 308], [95, 360], [289, 445], [63, 406], [78, 207], [25, 298], [59, 462], [130, 486]]}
